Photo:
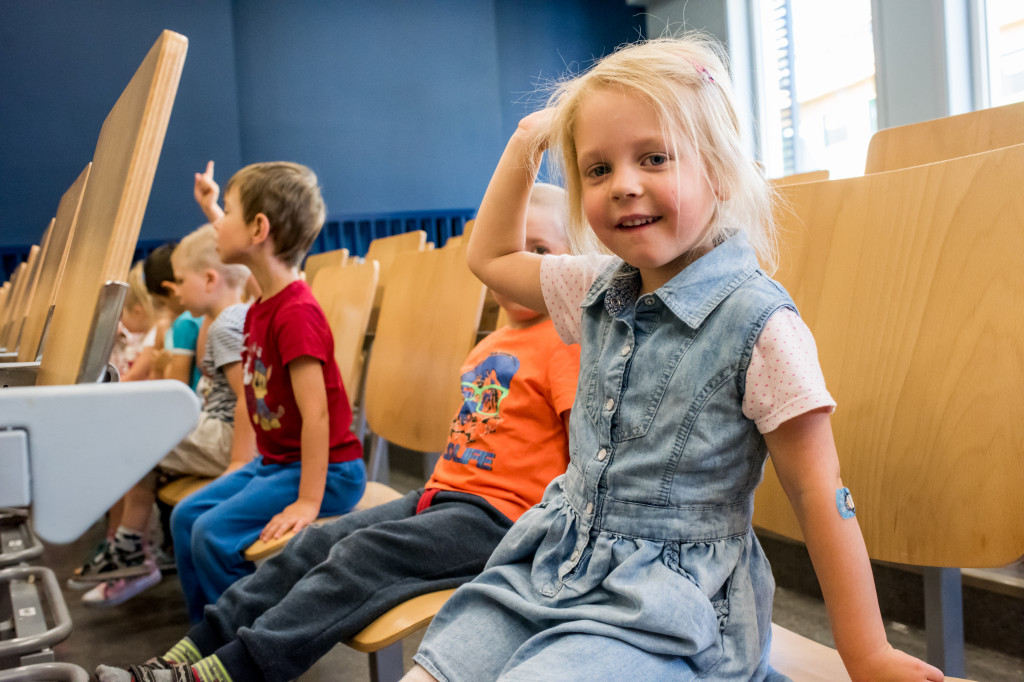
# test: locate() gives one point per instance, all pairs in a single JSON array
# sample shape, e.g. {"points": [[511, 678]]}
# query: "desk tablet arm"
{"points": [[72, 451]]}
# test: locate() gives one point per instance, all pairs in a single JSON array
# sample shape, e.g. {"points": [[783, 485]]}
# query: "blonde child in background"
{"points": [[205, 286], [641, 562], [132, 354], [310, 462]]}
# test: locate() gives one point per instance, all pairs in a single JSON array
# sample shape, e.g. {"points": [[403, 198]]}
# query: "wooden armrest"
{"points": [[400, 621], [180, 488], [804, 660], [374, 495]]}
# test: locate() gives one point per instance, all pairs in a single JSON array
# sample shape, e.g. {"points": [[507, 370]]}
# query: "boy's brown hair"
{"points": [[288, 194]]}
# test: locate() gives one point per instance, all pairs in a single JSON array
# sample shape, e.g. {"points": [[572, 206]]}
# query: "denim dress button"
{"points": [[590, 508], [609, 405], [625, 351], [601, 454]]}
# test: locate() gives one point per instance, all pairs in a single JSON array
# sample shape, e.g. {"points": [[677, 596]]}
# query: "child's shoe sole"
{"points": [[114, 592]]}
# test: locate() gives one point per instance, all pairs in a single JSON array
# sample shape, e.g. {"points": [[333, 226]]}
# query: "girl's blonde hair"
{"points": [[138, 294], [685, 80], [198, 252]]}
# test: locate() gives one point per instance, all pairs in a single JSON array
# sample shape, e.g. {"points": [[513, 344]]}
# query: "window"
{"points": [[1003, 60], [817, 109]]}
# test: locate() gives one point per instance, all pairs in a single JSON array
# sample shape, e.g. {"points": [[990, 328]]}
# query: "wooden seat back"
{"points": [[796, 178], [113, 204], [385, 250], [428, 323], [346, 295], [910, 281], [316, 261], [945, 138], [12, 310], [51, 267]]}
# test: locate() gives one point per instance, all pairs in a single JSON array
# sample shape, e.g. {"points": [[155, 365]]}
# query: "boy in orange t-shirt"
{"points": [[508, 440]]}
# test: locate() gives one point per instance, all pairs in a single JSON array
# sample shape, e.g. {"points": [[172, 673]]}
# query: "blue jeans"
{"points": [[332, 581], [213, 527]]}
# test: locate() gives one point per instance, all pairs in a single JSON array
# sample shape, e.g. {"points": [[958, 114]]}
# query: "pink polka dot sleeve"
{"points": [[564, 282], [784, 379]]}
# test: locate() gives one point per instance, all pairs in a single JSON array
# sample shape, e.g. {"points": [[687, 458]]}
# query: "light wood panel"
{"points": [[911, 282], [385, 250], [796, 178], [428, 323], [945, 138], [397, 623], [23, 295], [346, 296], [18, 281], [52, 265], [114, 202], [316, 261]]}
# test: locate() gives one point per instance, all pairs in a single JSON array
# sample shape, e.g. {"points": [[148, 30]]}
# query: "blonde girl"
{"points": [[641, 563]]}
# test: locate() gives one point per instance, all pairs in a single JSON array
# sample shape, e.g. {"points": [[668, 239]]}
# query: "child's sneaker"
{"points": [[165, 560], [111, 561], [114, 592], [96, 558]]}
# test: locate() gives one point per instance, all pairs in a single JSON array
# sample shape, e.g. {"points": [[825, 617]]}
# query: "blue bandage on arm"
{"points": [[844, 503]]}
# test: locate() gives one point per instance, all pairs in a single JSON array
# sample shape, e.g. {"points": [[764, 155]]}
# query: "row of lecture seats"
{"points": [[58, 424], [908, 277], [926, 256]]}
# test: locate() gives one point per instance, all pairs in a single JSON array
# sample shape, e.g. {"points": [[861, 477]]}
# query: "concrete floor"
{"points": [[149, 624]]}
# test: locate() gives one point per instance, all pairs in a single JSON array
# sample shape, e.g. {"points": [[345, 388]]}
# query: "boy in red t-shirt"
{"points": [[509, 439], [310, 463]]}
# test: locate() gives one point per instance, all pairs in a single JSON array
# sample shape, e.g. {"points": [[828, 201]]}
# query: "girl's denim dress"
{"points": [[640, 563]]}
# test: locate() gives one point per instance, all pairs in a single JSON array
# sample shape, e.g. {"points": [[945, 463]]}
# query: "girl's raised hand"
{"points": [[892, 665], [535, 128]]}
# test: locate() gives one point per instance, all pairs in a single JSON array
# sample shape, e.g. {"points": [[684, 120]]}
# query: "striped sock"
{"points": [[210, 669], [184, 651]]}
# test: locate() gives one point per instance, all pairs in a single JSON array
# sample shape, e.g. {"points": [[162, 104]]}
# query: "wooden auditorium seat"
{"points": [[945, 138], [346, 295], [796, 178], [384, 250], [910, 282], [316, 261], [428, 324], [51, 268]]}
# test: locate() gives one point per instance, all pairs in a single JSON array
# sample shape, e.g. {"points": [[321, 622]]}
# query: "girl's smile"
{"points": [[645, 201]]}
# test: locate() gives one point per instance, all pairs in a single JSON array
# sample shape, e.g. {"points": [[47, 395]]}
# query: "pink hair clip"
{"points": [[703, 72]]}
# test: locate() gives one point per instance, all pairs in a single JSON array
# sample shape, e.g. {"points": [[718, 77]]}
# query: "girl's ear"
{"points": [[260, 228], [210, 277]]}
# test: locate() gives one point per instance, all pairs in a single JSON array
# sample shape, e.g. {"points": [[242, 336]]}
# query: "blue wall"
{"points": [[63, 65], [399, 105]]}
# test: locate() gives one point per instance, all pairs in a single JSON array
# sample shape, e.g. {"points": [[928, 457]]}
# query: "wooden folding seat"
{"points": [[316, 261], [51, 268], [796, 178], [910, 282], [384, 250], [19, 282], [945, 138]]}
